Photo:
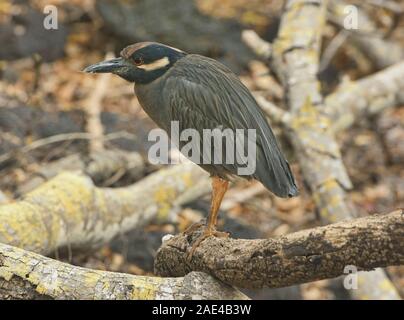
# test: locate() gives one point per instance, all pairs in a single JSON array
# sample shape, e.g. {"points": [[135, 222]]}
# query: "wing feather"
{"points": [[204, 94]]}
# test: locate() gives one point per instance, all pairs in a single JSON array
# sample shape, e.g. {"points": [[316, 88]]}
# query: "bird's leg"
{"points": [[219, 188]]}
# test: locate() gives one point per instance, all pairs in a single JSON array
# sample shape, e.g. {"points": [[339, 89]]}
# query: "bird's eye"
{"points": [[138, 61]]}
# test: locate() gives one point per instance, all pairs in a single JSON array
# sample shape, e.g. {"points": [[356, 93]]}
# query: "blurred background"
{"points": [[43, 94]]}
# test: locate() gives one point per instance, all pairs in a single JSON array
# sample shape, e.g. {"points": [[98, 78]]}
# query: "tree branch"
{"points": [[353, 99], [70, 211], [308, 255], [380, 51], [366, 97], [295, 59], [26, 275], [260, 47], [276, 114], [99, 165], [63, 137]]}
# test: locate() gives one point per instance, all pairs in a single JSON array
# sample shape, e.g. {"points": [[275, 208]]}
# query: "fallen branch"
{"points": [[353, 100], [295, 59], [308, 255], [100, 166], [381, 52], [70, 211], [63, 137], [26, 275], [366, 97]]}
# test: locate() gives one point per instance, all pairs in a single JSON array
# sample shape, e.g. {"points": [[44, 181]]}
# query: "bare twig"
{"points": [[261, 47], [64, 137], [274, 113], [332, 49], [93, 110], [381, 52]]}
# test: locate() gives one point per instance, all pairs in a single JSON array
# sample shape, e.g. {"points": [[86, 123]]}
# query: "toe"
{"points": [[193, 227], [206, 234], [221, 234]]}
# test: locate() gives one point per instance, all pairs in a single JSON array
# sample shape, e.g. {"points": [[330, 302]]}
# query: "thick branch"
{"points": [[70, 210], [308, 255], [26, 275], [295, 59], [296, 51]]}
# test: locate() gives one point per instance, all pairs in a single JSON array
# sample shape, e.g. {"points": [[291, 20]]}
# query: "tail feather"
{"points": [[274, 172]]}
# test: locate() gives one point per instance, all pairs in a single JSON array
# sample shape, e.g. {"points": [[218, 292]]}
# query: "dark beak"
{"points": [[108, 66]]}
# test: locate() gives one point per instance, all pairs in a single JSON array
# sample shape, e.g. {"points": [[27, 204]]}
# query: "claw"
{"points": [[208, 232]]}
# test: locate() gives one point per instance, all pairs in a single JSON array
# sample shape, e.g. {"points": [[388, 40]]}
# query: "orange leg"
{"points": [[219, 188]]}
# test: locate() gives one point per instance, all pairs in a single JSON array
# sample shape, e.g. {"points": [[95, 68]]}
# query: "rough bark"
{"points": [[295, 59], [70, 211], [308, 255], [26, 275]]}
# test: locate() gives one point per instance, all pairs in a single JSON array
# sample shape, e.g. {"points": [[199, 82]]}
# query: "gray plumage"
{"points": [[201, 93]]}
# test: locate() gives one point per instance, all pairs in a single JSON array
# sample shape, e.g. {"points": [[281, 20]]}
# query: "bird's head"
{"points": [[140, 63]]}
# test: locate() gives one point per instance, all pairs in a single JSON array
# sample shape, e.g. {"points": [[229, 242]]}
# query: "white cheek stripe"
{"points": [[161, 63]]}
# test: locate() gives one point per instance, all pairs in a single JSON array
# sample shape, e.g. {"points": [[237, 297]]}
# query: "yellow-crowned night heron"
{"points": [[201, 93]]}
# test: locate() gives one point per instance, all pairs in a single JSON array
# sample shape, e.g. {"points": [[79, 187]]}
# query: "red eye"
{"points": [[138, 61]]}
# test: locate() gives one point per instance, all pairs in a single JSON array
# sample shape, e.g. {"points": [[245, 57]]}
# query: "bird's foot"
{"points": [[207, 232], [193, 227]]}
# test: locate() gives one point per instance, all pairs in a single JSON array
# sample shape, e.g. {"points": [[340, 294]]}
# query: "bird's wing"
{"points": [[203, 93]]}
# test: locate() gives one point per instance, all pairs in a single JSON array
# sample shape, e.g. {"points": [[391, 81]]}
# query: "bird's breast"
{"points": [[150, 97]]}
